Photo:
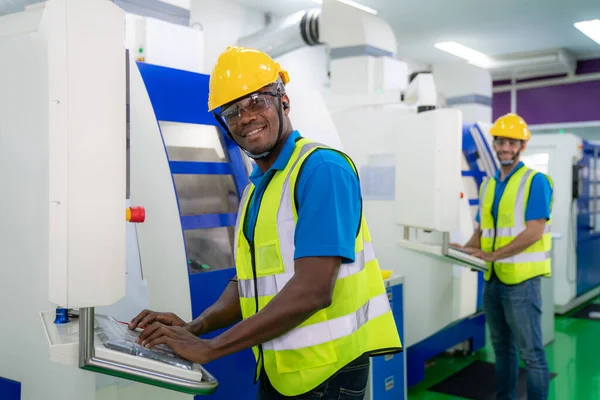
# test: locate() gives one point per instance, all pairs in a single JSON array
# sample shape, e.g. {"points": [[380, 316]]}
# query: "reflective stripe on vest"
{"points": [[526, 257], [359, 319], [322, 332], [506, 232]]}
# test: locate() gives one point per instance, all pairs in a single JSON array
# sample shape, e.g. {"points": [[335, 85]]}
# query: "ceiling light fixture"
{"points": [[353, 4], [590, 28], [472, 56]]}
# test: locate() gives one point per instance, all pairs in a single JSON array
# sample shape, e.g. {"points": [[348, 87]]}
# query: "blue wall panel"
{"points": [[9, 389]]}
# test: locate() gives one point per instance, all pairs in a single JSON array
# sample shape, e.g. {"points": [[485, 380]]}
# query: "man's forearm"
{"points": [[288, 309], [475, 241], [225, 312], [522, 242]]}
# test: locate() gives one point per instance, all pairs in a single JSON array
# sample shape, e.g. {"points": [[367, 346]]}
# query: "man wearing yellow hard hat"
{"points": [[514, 238], [309, 291]]}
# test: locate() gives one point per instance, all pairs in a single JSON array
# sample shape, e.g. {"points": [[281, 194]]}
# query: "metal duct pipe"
{"points": [[291, 33]]}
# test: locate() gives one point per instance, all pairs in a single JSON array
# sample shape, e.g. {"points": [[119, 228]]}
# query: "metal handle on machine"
{"points": [[88, 361], [445, 242]]}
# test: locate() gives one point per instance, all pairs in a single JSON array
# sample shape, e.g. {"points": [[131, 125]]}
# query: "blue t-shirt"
{"points": [[329, 203], [540, 196]]}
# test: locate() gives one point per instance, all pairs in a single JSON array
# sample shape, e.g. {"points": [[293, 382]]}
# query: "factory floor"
{"points": [[574, 355]]}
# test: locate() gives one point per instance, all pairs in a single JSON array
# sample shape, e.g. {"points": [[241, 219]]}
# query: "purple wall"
{"points": [[500, 104], [574, 102], [560, 103], [588, 66]]}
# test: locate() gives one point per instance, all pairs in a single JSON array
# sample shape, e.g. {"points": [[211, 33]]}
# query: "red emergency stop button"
{"points": [[462, 195], [135, 214]]}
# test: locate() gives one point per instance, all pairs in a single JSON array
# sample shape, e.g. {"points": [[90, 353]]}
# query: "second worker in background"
{"points": [[514, 238]]}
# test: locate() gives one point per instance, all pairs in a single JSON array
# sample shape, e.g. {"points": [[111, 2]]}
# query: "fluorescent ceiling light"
{"points": [[472, 56], [353, 4], [590, 28]]}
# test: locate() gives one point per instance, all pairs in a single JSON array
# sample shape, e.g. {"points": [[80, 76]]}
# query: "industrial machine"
{"points": [[69, 212], [572, 163]]}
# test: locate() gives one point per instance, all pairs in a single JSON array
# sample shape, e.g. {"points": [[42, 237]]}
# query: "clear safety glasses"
{"points": [[510, 142], [250, 106]]}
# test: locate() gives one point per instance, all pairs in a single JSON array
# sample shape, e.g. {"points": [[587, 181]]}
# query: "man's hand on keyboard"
{"points": [[184, 343], [468, 250], [485, 256], [147, 317]]}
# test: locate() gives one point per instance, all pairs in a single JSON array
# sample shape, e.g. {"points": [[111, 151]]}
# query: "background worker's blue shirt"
{"points": [[540, 196], [329, 203]]}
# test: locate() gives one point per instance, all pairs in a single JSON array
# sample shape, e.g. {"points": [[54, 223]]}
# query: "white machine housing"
{"points": [[63, 134], [555, 155], [87, 132]]}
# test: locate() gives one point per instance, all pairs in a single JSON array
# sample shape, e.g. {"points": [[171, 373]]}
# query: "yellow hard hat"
{"points": [[240, 71], [511, 126]]}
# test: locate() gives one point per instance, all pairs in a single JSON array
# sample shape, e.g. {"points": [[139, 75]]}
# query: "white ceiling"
{"points": [[494, 27]]}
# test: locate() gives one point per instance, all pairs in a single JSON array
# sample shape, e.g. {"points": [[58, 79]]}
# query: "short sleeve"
{"points": [[329, 207], [540, 198]]}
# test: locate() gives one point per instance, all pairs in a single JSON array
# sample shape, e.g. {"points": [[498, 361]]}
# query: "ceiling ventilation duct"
{"points": [[532, 65], [291, 33]]}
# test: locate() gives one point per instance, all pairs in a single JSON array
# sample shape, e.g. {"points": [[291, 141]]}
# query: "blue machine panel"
{"points": [[176, 95], [235, 372], [387, 377], [181, 96], [9, 389], [472, 329], [588, 224]]}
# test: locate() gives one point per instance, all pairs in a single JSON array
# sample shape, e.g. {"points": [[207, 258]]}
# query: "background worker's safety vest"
{"points": [[533, 261], [359, 319]]}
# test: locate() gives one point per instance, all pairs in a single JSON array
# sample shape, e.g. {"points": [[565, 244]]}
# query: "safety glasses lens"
{"points": [[250, 106], [510, 142]]}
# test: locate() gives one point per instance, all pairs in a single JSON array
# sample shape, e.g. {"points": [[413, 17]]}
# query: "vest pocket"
{"points": [[268, 259]]}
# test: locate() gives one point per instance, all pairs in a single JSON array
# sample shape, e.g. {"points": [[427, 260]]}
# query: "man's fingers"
{"points": [[158, 340], [135, 322], [159, 331], [149, 319], [165, 319], [145, 334]]}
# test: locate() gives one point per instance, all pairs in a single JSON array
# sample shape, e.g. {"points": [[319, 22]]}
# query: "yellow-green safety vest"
{"points": [[359, 319], [533, 261]]}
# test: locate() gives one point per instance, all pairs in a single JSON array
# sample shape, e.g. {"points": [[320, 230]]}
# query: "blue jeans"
{"points": [[349, 383], [514, 315]]}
